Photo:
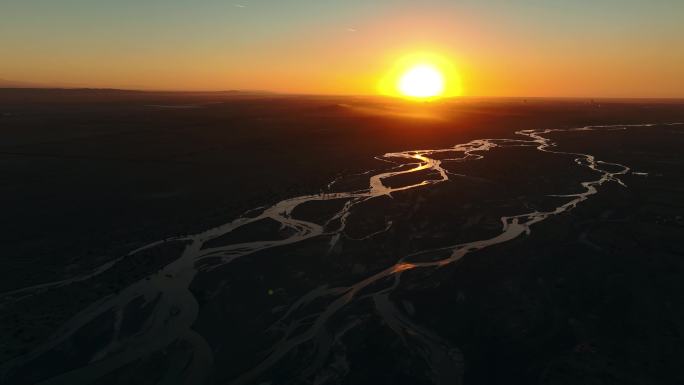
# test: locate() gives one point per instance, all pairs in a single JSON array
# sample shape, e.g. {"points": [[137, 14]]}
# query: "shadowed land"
{"points": [[96, 174]]}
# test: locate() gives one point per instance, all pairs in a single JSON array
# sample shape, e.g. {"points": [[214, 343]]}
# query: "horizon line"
{"points": [[310, 94]]}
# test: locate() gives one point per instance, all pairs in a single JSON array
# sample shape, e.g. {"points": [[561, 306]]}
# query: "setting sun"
{"points": [[421, 76], [362, 191], [422, 81]]}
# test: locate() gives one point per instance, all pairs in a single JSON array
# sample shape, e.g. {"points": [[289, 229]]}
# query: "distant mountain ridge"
{"points": [[5, 83], [14, 84]]}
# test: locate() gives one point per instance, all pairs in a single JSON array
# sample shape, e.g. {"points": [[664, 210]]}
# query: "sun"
{"points": [[421, 76], [421, 81]]}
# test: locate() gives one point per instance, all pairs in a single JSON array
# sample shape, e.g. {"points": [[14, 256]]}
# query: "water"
{"points": [[174, 309]]}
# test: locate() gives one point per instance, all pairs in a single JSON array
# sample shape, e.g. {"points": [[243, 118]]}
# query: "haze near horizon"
{"points": [[604, 48]]}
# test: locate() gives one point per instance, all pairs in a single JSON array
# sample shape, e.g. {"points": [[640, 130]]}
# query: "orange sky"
{"points": [[589, 48]]}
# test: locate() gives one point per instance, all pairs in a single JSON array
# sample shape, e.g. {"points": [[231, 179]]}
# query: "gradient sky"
{"points": [[613, 48]]}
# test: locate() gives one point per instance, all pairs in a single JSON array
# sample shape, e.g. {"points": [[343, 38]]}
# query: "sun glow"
{"points": [[421, 77], [422, 81]]}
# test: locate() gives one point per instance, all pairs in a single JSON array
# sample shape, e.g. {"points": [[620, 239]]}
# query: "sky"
{"points": [[579, 48]]}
